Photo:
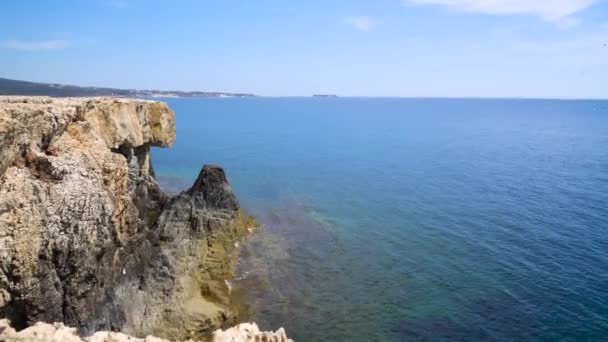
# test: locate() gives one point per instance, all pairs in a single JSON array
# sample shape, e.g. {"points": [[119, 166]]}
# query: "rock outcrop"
{"points": [[88, 238], [250, 332], [43, 332]]}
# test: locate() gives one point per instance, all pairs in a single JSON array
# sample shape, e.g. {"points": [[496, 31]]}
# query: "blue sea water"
{"points": [[412, 219]]}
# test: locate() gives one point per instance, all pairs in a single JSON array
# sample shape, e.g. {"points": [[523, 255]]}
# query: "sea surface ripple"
{"points": [[412, 219]]}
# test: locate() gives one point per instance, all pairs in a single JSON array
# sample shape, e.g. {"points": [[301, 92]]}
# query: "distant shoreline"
{"points": [[26, 88]]}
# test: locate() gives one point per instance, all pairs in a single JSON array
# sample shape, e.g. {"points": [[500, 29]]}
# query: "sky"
{"points": [[410, 48]]}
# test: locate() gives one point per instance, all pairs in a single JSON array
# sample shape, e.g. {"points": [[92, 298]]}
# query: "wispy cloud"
{"points": [[361, 23], [549, 10], [56, 44]]}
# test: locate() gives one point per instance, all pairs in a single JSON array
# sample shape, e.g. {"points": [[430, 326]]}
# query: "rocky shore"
{"points": [[60, 333], [88, 238]]}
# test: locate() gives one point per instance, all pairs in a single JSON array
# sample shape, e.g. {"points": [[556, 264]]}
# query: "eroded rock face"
{"points": [[88, 238]]}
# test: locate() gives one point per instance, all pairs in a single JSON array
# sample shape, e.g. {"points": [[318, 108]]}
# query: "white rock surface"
{"points": [[44, 332], [249, 332]]}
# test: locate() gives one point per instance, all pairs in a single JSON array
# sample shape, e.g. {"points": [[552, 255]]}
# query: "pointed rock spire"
{"points": [[212, 184]]}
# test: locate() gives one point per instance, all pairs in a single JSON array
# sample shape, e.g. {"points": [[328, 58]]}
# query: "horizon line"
{"points": [[331, 95]]}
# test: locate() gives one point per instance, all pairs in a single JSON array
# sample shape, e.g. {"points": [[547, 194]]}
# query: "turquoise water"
{"points": [[412, 219]]}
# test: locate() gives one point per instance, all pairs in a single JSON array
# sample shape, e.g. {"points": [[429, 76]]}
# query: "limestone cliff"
{"points": [[89, 239]]}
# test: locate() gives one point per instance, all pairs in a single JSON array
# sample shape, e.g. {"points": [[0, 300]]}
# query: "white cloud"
{"points": [[362, 23], [34, 46], [549, 10]]}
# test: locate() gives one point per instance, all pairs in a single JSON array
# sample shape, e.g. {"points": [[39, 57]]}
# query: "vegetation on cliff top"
{"points": [[16, 87]]}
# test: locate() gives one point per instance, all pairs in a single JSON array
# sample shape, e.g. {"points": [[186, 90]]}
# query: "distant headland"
{"points": [[16, 87]]}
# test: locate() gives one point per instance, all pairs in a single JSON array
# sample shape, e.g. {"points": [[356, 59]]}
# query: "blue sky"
{"points": [[472, 48]]}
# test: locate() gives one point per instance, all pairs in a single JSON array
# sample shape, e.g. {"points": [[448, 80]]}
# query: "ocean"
{"points": [[411, 219]]}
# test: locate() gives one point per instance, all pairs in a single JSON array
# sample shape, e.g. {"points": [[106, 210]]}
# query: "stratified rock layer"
{"points": [[88, 238]]}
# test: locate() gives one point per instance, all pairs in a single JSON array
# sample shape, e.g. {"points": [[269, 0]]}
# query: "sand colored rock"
{"points": [[44, 332]]}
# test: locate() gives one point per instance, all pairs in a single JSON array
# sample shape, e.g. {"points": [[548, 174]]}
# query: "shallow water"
{"points": [[412, 219]]}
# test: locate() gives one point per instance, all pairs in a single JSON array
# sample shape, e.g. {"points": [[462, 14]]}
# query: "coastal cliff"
{"points": [[88, 238]]}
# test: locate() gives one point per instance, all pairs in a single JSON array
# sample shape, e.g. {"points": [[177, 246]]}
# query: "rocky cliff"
{"points": [[88, 238]]}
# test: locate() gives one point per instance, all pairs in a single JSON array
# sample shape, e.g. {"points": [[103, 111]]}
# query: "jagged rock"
{"points": [[38, 332], [43, 332], [57, 332], [89, 239], [212, 188], [249, 332]]}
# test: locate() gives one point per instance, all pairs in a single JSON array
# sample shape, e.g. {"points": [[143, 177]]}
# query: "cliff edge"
{"points": [[88, 238]]}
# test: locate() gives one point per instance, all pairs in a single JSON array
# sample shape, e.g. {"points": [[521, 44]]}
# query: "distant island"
{"points": [[16, 87], [325, 95]]}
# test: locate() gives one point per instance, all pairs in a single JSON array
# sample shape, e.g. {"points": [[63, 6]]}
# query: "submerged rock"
{"points": [[88, 238]]}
